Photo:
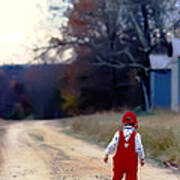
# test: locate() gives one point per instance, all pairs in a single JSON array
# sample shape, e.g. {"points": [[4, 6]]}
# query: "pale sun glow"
{"points": [[20, 22]]}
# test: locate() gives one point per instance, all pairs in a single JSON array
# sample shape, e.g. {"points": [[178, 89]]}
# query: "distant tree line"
{"points": [[56, 91], [30, 92]]}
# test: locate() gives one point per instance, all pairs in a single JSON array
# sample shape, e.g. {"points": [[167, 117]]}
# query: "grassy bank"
{"points": [[160, 132]]}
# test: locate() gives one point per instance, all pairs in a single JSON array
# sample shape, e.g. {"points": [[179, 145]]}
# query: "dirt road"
{"points": [[40, 151]]}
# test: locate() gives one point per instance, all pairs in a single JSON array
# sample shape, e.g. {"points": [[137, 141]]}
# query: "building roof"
{"points": [[160, 61], [163, 61]]}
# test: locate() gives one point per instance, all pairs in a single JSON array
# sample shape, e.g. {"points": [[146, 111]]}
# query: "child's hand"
{"points": [[142, 162], [106, 158]]}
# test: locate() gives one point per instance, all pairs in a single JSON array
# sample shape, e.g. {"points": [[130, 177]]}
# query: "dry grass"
{"points": [[161, 135], [160, 132]]}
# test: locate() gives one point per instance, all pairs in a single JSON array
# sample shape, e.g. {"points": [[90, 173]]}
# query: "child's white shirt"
{"points": [[127, 131]]}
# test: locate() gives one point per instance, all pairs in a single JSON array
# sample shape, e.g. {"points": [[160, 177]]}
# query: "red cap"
{"points": [[130, 118]]}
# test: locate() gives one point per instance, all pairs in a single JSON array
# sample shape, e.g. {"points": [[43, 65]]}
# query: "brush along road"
{"points": [[38, 150]]}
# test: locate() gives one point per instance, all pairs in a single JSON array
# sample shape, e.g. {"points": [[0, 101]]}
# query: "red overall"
{"points": [[126, 158]]}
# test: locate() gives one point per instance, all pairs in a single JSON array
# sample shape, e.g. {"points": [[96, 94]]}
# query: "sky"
{"points": [[21, 28]]}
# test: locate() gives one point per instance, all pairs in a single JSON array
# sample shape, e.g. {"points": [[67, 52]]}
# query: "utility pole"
{"points": [[175, 85]]}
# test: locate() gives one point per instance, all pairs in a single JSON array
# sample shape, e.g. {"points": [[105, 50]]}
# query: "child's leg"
{"points": [[131, 174], [118, 174]]}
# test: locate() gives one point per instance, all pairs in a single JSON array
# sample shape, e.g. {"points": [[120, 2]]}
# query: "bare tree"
{"points": [[120, 33]]}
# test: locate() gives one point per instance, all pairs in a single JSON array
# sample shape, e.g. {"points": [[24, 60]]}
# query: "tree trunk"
{"points": [[145, 96], [114, 88]]}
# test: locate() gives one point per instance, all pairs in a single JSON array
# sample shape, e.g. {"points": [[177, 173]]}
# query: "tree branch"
{"points": [[140, 33]]}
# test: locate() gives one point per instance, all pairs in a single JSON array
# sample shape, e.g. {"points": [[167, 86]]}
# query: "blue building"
{"points": [[165, 79]]}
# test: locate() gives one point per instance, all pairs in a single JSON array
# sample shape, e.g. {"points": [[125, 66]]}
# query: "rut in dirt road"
{"points": [[35, 151], [20, 160], [40, 151]]}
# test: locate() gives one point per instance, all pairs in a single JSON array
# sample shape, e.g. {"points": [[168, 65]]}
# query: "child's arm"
{"points": [[112, 146], [140, 148]]}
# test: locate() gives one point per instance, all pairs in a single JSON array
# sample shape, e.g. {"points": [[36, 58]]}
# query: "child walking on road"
{"points": [[127, 146]]}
